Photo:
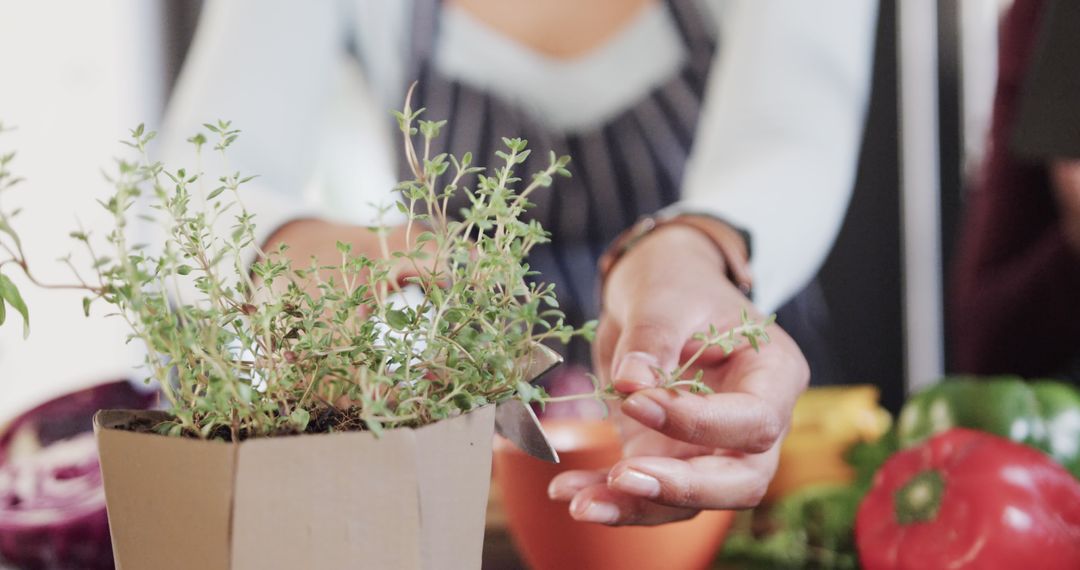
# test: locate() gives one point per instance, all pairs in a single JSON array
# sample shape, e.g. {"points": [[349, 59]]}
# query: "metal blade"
{"points": [[540, 361], [517, 422]]}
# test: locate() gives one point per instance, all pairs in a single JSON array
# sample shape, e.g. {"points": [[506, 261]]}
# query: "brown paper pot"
{"points": [[549, 539], [409, 499]]}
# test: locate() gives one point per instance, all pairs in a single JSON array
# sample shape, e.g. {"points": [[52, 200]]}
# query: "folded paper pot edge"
{"points": [[410, 498]]}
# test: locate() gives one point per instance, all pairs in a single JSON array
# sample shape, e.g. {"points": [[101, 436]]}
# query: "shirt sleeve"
{"points": [[268, 67], [778, 143]]}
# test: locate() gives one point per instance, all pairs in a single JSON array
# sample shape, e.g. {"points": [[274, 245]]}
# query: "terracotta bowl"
{"points": [[549, 539]]}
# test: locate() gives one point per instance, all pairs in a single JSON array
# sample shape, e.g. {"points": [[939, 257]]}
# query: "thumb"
{"points": [[647, 343]]}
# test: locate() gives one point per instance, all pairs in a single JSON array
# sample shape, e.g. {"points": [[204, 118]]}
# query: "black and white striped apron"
{"points": [[631, 165]]}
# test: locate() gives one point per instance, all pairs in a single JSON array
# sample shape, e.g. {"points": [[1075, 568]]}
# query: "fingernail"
{"points": [[594, 511], [637, 368], [636, 483], [645, 410], [553, 491]]}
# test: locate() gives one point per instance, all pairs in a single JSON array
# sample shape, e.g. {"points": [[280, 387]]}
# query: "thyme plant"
{"points": [[270, 348]]}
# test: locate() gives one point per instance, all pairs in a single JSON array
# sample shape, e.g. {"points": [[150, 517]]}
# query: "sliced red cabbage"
{"points": [[52, 508], [72, 413], [52, 503]]}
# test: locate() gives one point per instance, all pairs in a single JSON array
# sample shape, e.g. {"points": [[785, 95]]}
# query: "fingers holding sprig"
{"points": [[601, 504], [652, 336], [750, 410], [735, 421], [657, 490], [722, 480], [688, 451], [702, 413], [654, 298], [592, 499], [701, 451], [647, 348], [635, 339], [659, 340]]}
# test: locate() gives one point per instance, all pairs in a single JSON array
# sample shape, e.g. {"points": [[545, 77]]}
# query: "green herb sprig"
{"points": [[750, 333], [279, 349], [269, 348]]}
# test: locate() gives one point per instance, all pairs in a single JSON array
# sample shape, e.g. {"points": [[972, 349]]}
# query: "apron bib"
{"points": [[624, 168]]}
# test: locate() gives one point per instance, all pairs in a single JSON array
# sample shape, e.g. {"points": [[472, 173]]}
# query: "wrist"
{"points": [[670, 238], [722, 244]]}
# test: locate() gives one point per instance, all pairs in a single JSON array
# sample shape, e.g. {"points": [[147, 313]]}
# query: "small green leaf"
{"points": [[300, 418], [11, 294], [398, 320], [463, 401], [455, 315], [4, 227], [86, 306]]}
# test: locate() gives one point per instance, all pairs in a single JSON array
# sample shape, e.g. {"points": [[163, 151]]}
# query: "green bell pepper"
{"points": [[1042, 414]]}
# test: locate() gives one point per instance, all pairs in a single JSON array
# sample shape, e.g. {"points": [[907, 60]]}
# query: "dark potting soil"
{"points": [[323, 420]]}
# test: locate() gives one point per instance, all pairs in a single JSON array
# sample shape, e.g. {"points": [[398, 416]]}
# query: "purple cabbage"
{"points": [[52, 502], [52, 508]]}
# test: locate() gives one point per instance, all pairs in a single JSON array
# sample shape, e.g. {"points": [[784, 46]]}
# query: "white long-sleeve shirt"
{"points": [[776, 147]]}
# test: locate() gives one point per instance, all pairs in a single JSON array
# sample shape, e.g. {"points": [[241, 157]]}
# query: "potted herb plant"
{"points": [[314, 420], [391, 405]]}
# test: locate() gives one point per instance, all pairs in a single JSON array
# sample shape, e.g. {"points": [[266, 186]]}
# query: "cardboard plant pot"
{"points": [[408, 499]]}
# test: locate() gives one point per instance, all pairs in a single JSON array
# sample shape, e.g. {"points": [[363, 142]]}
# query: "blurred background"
{"points": [[955, 255], [74, 76]]}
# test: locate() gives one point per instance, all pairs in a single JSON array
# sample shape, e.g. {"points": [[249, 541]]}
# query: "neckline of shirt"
{"points": [[567, 94]]}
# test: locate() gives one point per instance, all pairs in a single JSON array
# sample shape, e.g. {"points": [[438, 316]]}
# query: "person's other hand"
{"points": [[683, 452], [318, 238], [1065, 179]]}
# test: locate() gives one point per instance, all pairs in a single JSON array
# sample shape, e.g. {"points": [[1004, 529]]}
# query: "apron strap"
{"points": [[424, 32]]}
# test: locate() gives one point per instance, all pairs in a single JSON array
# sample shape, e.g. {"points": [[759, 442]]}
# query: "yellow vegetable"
{"points": [[825, 423]]}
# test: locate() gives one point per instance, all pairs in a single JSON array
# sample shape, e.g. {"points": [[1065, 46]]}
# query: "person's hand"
{"points": [[683, 452], [318, 238], [1065, 179]]}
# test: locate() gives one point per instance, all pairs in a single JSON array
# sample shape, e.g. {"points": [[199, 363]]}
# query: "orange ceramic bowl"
{"points": [[549, 539]]}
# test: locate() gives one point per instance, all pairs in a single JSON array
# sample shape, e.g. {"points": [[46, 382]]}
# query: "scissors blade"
{"points": [[516, 420], [540, 360]]}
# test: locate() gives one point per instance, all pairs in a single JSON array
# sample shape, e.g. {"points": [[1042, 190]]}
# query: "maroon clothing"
{"points": [[1016, 290]]}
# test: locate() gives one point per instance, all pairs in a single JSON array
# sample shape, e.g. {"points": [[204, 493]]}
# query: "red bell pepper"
{"points": [[968, 499]]}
